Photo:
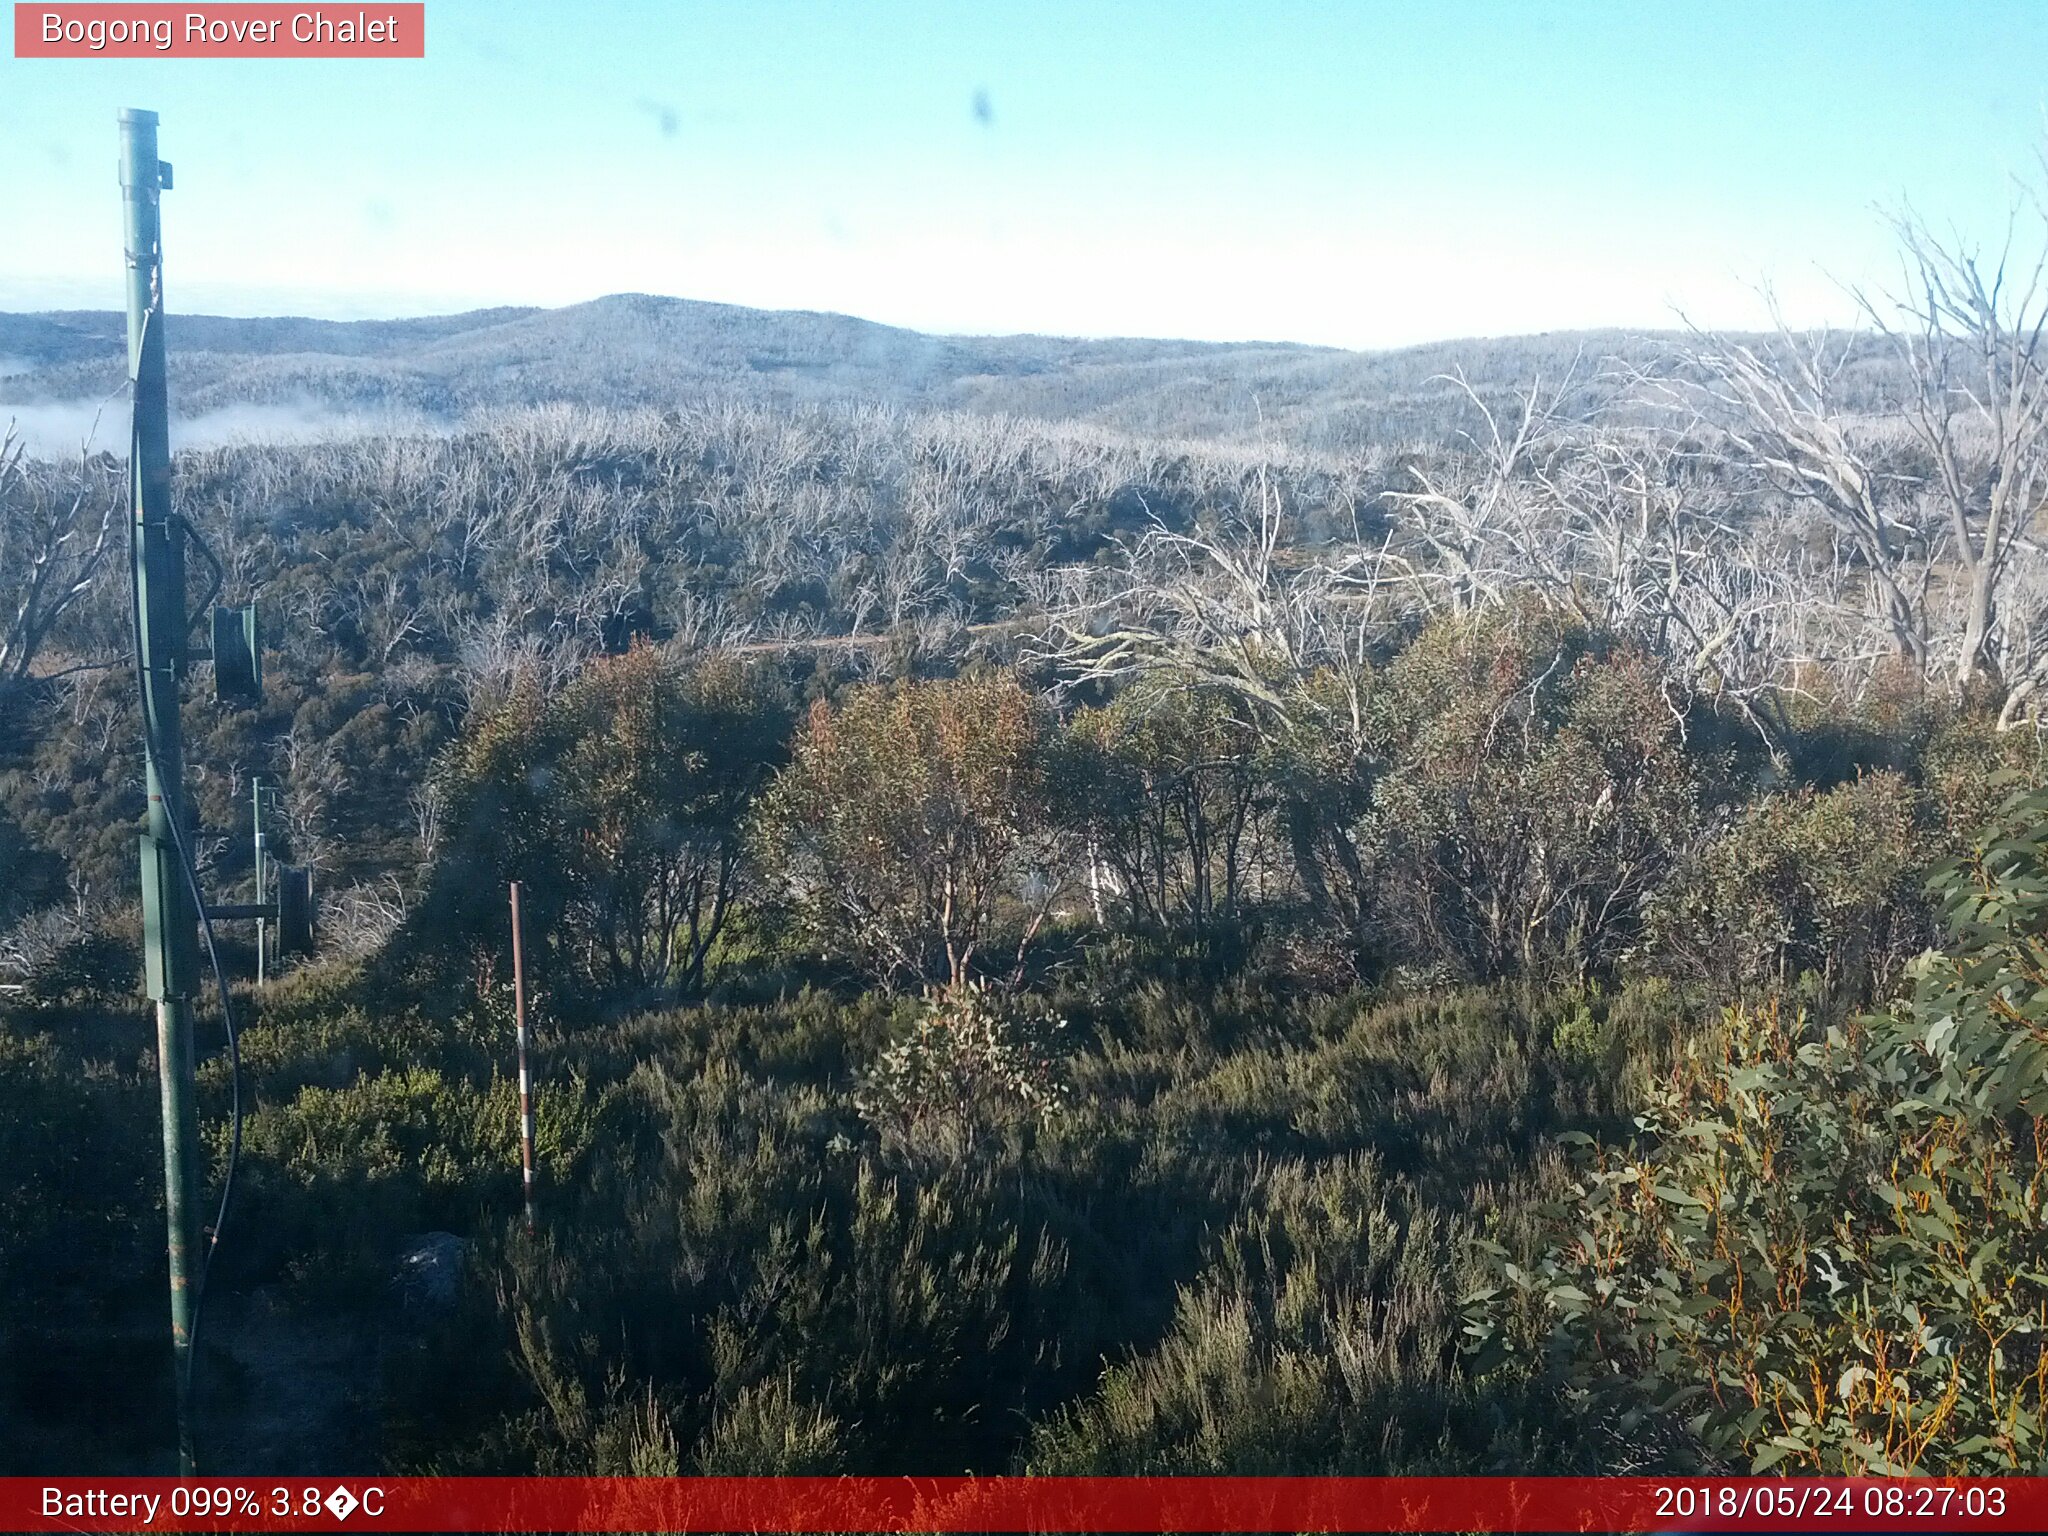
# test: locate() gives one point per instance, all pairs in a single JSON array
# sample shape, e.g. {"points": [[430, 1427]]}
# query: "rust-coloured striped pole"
{"points": [[525, 1081]]}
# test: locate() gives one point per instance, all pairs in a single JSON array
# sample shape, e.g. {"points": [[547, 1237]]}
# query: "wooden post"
{"points": [[525, 1081], [256, 820]]}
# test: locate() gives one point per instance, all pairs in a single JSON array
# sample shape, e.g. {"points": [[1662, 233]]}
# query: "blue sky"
{"points": [[1360, 174]]}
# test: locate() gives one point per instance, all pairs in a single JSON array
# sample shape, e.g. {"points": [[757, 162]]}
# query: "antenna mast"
{"points": [[169, 921]]}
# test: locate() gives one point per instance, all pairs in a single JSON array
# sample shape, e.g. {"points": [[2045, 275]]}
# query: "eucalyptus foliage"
{"points": [[1827, 1251]]}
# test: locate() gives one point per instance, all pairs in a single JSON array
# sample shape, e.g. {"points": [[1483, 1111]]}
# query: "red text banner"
{"points": [[1138, 1504], [238, 31]]}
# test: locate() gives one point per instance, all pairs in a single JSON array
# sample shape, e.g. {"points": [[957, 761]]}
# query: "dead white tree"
{"points": [[1476, 520], [1235, 608], [386, 611], [1772, 408], [54, 540], [1629, 529], [1967, 329], [2021, 631]]}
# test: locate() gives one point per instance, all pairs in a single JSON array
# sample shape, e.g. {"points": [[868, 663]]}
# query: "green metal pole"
{"points": [[169, 924]]}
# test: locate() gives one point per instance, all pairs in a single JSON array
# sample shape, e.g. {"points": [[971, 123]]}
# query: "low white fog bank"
{"points": [[57, 428]]}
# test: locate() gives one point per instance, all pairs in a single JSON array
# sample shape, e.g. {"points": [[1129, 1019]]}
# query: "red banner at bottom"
{"points": [[1051, 1504]]}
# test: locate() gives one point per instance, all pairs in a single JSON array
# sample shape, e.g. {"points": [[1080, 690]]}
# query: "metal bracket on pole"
{"points": [[292, 912], [170, 953], [237, 655]]}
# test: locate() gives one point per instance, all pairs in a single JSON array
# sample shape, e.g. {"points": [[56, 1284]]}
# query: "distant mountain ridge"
{"points": [[640, 350]]}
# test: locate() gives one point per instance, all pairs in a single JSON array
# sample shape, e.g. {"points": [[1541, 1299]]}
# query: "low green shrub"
{"points": [[1828, 1252], [974, 1062], [1804, 880]]}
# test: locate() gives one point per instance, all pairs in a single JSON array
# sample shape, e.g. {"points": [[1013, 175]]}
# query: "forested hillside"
{"points": [[1486, 923], [632, 350]]}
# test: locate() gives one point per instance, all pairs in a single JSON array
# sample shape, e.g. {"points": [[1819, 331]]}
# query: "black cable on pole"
{"points": [[174, 808]]}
